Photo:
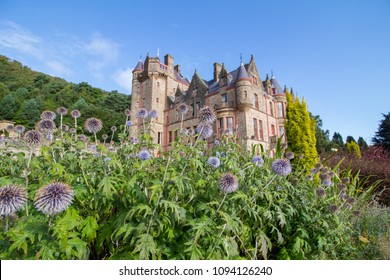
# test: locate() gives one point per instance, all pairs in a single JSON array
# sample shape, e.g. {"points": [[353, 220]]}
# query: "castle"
{"points": [[252, 110]]}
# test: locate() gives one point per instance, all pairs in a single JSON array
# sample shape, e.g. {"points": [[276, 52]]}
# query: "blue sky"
{"points": [[335, 54]]}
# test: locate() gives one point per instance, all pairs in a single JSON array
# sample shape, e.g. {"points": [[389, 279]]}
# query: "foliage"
{"points": [[323, 143], [337, 140], [353, 149], [382, 136], [362, 143], [300, 130], [170, 206], [24, 93]]}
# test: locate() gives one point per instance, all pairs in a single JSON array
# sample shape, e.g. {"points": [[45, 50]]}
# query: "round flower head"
{"points": [[228, 183], [33, 137], [190, 132], [331, 174], [300, 156], [313, 170], [321, 192], [129, 123], [19, 129], [184, 131], [289, 155], [142, 113], [205, 130], [258, 160], [207, 115], [62, 111], [12, 198], [46, 125], [214, 162], [53, 198], [64, 128], [327, 183], [104, 136], [48, 115], [324, 176], [10, 128], [342, 187], [113, 128], [281, 167], [135, 140], [216, 142], [82, 138], [75, 114], [309, 177], [106, 159], [144, 155], [350, 200], [72, 130], [93, 125], [347, 206], [183, 109], [346, 180], [318, 166], [153, 114], [333, 208], [127, 112]]}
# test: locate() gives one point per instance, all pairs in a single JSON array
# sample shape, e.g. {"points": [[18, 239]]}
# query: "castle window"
{"points": [[220, 126], [157, 100], [159, 137], [255, 128], [193, 109], [261, 129], [224, 97], [256, 100], [254, 80], [245, 94], [170, 137], [280, 109], [272, 130], [271, 109], [158, 84], [229, 125], [197, 107]]}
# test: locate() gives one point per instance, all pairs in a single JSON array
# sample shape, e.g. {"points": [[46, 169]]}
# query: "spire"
{"points": [[242, 73], [275, 85], [139, 66]]}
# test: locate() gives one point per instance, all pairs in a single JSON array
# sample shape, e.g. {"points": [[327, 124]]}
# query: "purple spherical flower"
{"points": [[75, 114], [104, 136], [46, 125], [281, 167], [327, 183], [113, 128], [333, 208], [64, 128], [321, 192], [207, 115], [33, 137], [19, 129], [216, 142], [127, 112], [258, 160], [142, 113], [289, 155], [48, 115], [205, 130], [228, 183], [72, 130], [153, 114], [10, 128], [129, 123], [144, 155], [135, 140], [53, 198], [93, 125], [82, 138], [62, 111], [214, 162], [346, 180], [106, 159], [12, 199]]}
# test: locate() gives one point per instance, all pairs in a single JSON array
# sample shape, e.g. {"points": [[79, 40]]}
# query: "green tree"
{"points": [[353, 148], [323, 143], [337, 140], [3, 90], [301, 130], [362, 143], [350, 139], [382, 136], [30, 113], [8, 107]]}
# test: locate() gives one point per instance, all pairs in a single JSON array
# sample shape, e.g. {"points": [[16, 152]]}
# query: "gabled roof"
{"points": [[180, 78]]}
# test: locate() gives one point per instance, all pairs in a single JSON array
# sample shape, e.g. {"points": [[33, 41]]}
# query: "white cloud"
{"points": [[123, 78]]}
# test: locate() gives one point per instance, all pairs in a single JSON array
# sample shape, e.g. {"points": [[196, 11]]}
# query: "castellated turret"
{"points": [[243, 89]]}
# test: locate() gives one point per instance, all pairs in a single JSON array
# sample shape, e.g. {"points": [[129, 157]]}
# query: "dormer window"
{"points": [[224, 97], [255, 80]]}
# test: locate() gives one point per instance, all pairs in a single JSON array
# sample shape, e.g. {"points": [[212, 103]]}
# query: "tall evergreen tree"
{"points": [[300, 130], [323, 143], [350, 139], [337, 140], [8, 107], [362, 143], [382, 136]]}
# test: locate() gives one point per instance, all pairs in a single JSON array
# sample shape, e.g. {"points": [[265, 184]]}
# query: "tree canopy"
{"points": [[382, 136]]}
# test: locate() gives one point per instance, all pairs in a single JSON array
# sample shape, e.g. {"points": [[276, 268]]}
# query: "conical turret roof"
{"points": [[242, 73], [276, 86], [139, 66]]}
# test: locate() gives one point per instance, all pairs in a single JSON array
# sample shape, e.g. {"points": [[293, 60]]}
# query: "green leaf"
{"points": [[89, 227]]}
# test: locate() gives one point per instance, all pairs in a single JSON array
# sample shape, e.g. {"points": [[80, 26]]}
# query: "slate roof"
{"points": [[139, 66], [276, 86], [180, 78], [242, 73]]}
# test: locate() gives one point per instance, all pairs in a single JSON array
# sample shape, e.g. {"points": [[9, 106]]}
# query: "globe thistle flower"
{"points": [[300, 156], [184, 131], [347, 206], [201, 153], [33, 137], [104, 136], [113, 128], [135, 140], [324, 176], [64, 128], [284, 146], [313, 170], [321, 192], [327, 183], [190, 132], [289, 155], [72, 130], [331, 174], [93, 125], [318, 166], [356, 213], [333, 208], [309, 177], [228, 183], [205, 130], [350, 200], [142, 113], [144, 155], [343, 195], [281, 167], [346, 180], [48, 115], [62, 111], [129, 123], [207, 115], [153, 114], [214, 162], [82, 138], [10, 128], [342, 187], [106, 159], [127, 112], [216, 142], [183, 109], [257, 160], [19, 129], [53, 198], [12, 199], [75, 114], [46, 125]]}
